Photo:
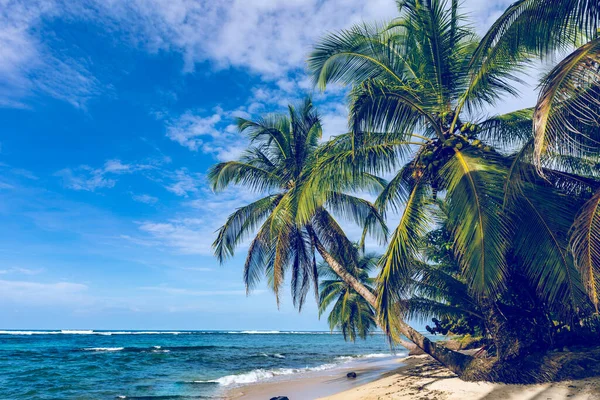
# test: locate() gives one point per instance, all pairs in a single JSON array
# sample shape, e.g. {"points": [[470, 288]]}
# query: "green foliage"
{"points": [[455, 326], [517, 231], [285, 230], [349, 312], [566, 115], [418, 85], [441, 286]]}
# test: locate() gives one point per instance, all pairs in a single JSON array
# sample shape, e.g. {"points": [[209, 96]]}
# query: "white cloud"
{"points": [[189, 128], [4, 185], [85, 178], [24, 173], [213, 133], [484, 13], [145, 198], [190, 292], [21, 271], [89, 179], [116, 167], [196, 269], [184, 235], [40, 293], [29, 67], [185, 182], [334, 120], [193, 231], [269, 37]]}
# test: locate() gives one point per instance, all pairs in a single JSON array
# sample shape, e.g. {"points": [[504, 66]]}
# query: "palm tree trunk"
{"points": [[453, 360]]}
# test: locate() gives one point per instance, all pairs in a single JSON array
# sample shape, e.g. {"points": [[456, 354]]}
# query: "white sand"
{"points": [[424, 379]]}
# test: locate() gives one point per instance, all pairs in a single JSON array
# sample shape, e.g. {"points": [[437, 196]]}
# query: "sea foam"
{"points": [[362, 356], [91, 332], [104, 349], [276, 355], [258, 375]]}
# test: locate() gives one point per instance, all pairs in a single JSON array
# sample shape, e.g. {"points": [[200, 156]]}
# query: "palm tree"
{"points": [[437, 288], [350, 313], [567, 114], [569, 92], [416, 100], [281, 156]]}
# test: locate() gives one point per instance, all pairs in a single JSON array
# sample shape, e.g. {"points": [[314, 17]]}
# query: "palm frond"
{"points": [[238, 173], [475, 188], [542, 26], [240, 224], [396, 110], [421, 309], [402, 250], [567, 116], [259, 260], [271, 130], [354, 55], [509, 131], [585, 244], [542, 247], [361, 211]]}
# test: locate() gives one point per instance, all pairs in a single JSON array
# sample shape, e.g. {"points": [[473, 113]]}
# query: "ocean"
{"points": [[165, 365]]}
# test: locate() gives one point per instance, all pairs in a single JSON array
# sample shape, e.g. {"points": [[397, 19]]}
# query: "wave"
{"points": [[276, 355], [104, 348], [258, 375], [92, 332], [168, 397], [153, 349], [142, 333], [110, 333], [281, 333], [362, 356]]}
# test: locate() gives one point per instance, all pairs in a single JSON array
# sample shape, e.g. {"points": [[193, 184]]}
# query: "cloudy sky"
{"points": [[111, 113]]}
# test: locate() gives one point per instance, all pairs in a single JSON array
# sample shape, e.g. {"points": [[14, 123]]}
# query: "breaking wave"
{"points": [[258, 375]]}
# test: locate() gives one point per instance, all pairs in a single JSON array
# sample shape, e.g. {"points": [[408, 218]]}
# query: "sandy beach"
{"points": [[316, 384], [417, 378]]}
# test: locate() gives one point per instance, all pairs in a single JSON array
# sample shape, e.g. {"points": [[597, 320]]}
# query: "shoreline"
{"points": [[316, 384], [409, 378]]}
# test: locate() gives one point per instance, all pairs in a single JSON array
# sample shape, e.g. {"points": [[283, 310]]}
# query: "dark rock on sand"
{"points": [[351, 375], [280, 398]]}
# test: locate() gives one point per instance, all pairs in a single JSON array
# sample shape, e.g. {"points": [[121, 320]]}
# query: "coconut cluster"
{"points": [[437, 152]]}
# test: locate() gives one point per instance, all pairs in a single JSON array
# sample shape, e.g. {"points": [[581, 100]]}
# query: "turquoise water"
{"points": [[163, 365]]}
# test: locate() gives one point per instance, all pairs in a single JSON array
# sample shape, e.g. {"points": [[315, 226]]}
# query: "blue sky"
{"points": [[111, 113]]}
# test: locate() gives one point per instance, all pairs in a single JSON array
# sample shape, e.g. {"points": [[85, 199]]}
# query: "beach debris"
{"points": [[351, 374], [280, 398]]}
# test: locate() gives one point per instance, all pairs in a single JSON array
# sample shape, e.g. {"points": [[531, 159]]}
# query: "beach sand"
{"points": [[418, 378], [424, 379], [312, 385]]}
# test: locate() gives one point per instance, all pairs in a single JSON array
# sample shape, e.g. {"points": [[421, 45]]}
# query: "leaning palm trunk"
{"points": [[454, 361], [281, 158]]}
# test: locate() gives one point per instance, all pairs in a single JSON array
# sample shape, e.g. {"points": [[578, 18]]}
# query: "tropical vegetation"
{"points": [[281, 158], [349, 312], [499, 213]]}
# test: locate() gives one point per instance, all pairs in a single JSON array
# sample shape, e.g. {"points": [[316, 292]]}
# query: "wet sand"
{"points": [[312, 385]]}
